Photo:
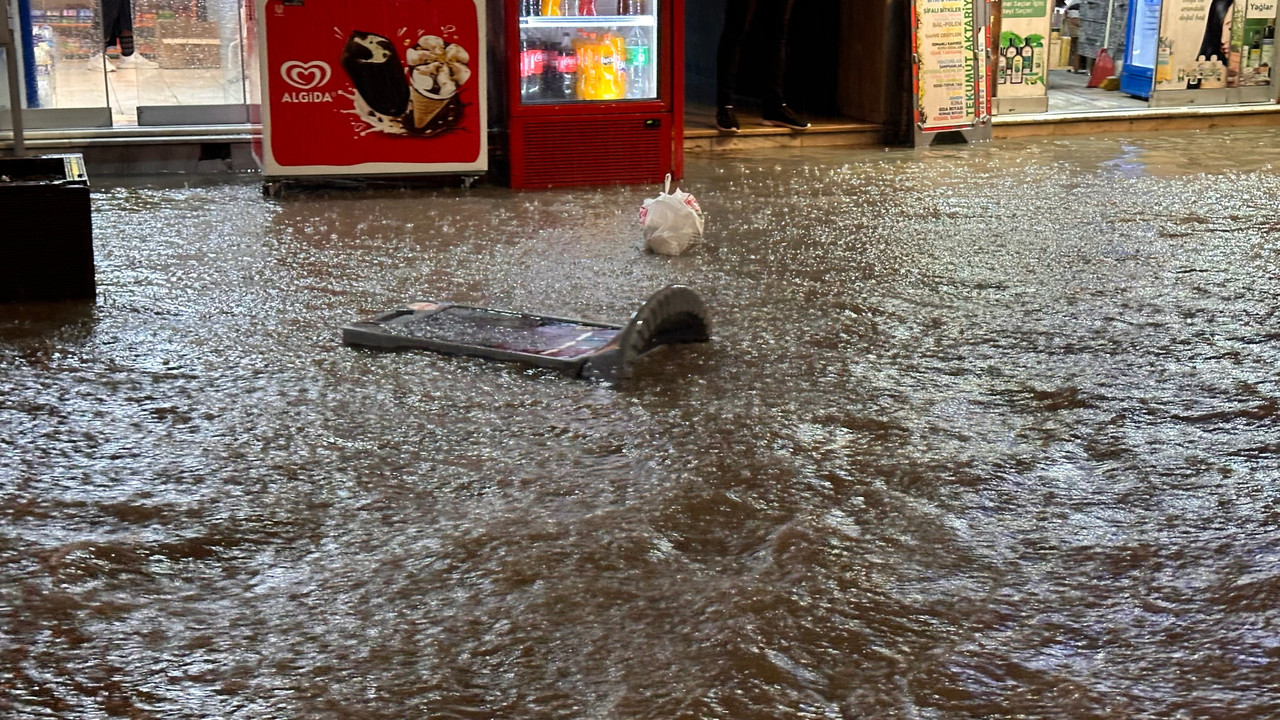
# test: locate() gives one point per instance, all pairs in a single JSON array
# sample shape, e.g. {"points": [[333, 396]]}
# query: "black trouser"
{"points": [[738, 14], [117, 25]]}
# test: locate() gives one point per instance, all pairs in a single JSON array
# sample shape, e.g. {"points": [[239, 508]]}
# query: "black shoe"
{"points": [[782, 116], [726, 119]]}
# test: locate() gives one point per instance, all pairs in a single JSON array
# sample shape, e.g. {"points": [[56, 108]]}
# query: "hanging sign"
{"points": [[949, 46]]}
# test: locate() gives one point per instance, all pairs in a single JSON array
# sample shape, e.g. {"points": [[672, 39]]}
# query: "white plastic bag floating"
{"points": [[672, 222]]}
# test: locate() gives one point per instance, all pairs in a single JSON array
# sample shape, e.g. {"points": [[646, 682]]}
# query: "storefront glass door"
{"points": [[121, 63]]}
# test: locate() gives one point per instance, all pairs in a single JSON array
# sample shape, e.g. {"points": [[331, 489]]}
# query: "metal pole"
{"points": [[15, 90], [1106, 34]]}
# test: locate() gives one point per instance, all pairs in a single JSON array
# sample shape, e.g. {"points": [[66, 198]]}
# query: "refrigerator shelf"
{"points": [[576, 21]]}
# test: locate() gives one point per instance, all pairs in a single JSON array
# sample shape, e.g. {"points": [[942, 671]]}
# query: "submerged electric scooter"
{"points": [[578, 348]]}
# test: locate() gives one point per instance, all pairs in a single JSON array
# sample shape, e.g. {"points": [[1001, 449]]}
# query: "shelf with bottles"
{"points": [[577, 64], [586, 13], [561, 21]]}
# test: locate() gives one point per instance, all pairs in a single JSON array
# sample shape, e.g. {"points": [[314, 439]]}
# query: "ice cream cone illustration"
{"points": [[438, 71]]}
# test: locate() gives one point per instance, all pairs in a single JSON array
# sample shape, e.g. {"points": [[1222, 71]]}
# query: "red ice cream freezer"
{"points": [[391, 87], [596, 91]]}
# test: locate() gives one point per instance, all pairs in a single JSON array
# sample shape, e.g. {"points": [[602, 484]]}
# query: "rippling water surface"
{"points": [[987, 431]]}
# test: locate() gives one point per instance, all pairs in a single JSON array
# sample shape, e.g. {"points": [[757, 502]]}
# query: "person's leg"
{"points": [[110, 16], [776, 15], [128, 58], [737, 18]]}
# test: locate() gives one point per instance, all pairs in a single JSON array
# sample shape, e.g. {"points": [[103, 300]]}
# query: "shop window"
{"points": [[186, 64]]}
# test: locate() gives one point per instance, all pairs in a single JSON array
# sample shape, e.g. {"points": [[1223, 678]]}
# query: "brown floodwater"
{"points": [[987, 431]]}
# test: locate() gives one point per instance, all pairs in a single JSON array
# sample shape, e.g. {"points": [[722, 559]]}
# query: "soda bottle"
{"points": [[587, 7], [624, 7], [611, 57], [550, 7], [638, 59], [567, 60], [550, 71], [588, 47], [568, 8], [530, 8], [532, 58], [526, 63]]}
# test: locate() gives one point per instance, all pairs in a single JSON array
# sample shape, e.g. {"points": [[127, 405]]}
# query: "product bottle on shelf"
{"points": [[1196, 76], [1028, 59], [619, 44], [569, 8], [1163, 69], [550, 71], [638, 59], [567, 61], [532, 58], [624, 7], [551, 7], [587, 7], [588, 47]]}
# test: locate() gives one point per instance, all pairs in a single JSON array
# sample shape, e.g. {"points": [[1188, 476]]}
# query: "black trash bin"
{"points": [[46, 230]]}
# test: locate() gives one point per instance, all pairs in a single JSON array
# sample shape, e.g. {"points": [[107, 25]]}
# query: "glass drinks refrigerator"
{"points": [[346, 87], [596, 91]]}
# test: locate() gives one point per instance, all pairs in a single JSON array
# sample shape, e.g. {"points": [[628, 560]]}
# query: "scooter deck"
{"points": [[675, 314]]}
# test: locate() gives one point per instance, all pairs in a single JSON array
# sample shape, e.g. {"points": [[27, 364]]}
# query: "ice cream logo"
{"points": [[305, 76], [422, 101]]}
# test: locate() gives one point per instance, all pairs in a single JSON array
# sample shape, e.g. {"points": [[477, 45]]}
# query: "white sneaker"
{"points": [[98, 63], [136, 62]]}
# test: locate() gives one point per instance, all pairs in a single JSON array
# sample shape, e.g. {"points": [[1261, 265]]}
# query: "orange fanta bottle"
{"points": [[611, 84]]}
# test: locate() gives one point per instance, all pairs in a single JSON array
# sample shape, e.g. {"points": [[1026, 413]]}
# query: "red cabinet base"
{"points": [[591, 149]]}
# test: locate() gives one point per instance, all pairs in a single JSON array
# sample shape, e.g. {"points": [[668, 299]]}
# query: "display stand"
{"points": [[951, 61], [1022, 52]]}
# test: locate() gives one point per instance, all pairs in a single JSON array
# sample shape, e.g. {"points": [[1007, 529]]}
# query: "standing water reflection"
{"points": [[982, 432]]}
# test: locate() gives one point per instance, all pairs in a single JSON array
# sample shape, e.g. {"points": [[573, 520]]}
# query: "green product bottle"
{"points": [[1028, 61]]}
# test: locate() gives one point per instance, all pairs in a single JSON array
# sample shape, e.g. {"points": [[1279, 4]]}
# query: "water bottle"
{"points": [[569, 8], [638, 59]]}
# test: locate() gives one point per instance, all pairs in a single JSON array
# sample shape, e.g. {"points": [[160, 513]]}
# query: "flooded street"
{"points": [[987, 431]]}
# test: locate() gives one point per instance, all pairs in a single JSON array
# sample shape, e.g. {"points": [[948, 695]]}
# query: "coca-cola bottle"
{"points": [[624, 7], [550, 71], [531, 62], [567, 64], [587, 7]]}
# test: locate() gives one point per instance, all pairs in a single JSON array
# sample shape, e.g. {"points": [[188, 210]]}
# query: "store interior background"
{"points": [[846, 64], [837, 64]]}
